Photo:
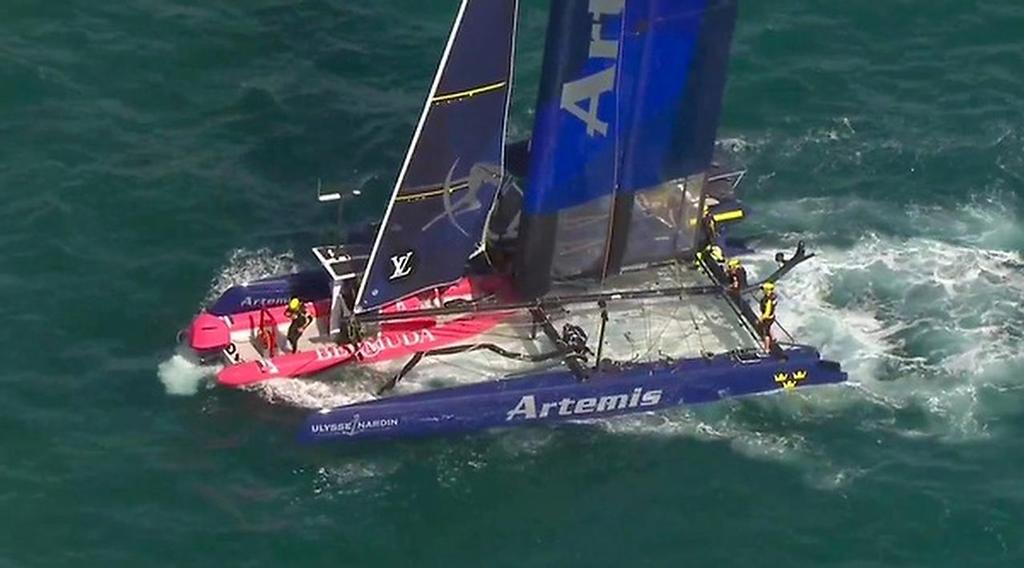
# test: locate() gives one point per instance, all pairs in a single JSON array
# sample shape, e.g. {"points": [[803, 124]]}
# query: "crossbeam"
{"points": [[490, 306]]}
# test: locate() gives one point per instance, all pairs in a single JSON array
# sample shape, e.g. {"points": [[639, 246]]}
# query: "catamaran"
{"points": [[578, 257]]}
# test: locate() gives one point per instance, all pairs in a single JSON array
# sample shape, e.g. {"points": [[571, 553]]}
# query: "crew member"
{"points": [[737, 277], [716, 254], [709, 253], [766, 318], [301, 319], [708, 226]]}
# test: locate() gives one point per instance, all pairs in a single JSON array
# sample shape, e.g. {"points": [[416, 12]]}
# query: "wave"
{"points": [[181, 375], [247, 265], [917, 322]]}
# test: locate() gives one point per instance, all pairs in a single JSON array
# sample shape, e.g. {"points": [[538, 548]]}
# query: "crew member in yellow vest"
{"points": [[766, 317], [709, 227], [301, 319], [713, 252], [737, 277], [716, 254]]}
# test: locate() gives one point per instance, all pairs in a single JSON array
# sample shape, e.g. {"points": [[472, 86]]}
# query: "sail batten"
{"points": [[470, 92], [455, 164]]}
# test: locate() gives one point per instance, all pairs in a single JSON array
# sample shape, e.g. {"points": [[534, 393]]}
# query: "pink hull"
{"points": [[385, 346], [395, 340]]}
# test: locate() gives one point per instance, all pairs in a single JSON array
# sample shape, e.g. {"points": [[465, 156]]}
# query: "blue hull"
{"points": [[311, 286], [558, 396]]}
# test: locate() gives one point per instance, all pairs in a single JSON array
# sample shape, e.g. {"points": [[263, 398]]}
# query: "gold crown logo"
{"points": [[789, 382]]}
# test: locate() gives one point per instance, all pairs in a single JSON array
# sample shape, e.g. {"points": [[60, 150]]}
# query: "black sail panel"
{"points": [[455, 165]]}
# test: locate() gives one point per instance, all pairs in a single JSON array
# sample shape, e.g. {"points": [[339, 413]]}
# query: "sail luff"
{"points": [[620, 205]]}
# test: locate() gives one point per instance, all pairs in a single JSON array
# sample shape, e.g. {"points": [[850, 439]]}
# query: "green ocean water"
{"points": [[153, 152]]}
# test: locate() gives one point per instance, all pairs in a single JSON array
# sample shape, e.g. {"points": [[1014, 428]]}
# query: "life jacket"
{"points": [[768, 304], [716, 254]]}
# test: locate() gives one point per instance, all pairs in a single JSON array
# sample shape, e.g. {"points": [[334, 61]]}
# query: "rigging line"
{"points": [[696, 328], [676, 269], [676, 278], [789, 335], [458, 349], [647, 325], [661, 334], [480, 307]]}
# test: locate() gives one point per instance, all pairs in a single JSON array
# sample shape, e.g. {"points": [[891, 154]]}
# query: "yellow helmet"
{"points": [[716, 254], [294, 304], [734, 263], [768, 287]]}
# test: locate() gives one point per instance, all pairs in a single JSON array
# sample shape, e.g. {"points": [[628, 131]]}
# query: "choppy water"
{"points": [[155, 151]]}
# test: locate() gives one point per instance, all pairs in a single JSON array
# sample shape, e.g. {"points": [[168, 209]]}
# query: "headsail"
{"points": [[625, 128], [455, 165]]}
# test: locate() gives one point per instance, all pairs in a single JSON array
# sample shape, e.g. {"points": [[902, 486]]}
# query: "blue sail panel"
{"points": [[627, 113], [575, 129], [658, 50], [698, 116], [573, 158], [673, 136], [455, 165]]}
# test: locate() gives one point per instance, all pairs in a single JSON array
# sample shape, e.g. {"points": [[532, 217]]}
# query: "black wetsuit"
{"points": [[708, 235], [300, 319]]}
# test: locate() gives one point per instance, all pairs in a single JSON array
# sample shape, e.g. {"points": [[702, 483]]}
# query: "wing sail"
{"points": [[624, 133]]}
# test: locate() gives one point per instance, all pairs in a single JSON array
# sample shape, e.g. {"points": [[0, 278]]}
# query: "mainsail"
{"points": [[624, 133], [455, 164]]}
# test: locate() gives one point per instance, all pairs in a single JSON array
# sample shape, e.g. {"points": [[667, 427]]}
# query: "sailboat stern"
{"points": [[208, 334]]}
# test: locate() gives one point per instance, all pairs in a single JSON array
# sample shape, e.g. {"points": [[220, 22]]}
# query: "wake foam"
{"points": [[336, 387], [926, 325], [927, 320], [182, 376], [916, 322], [248, 265]]}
